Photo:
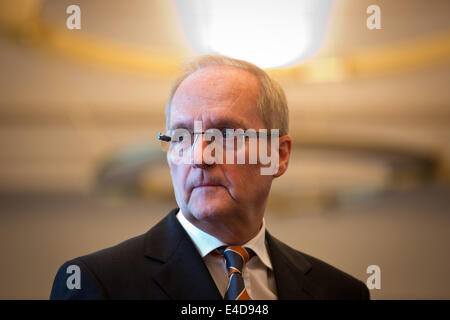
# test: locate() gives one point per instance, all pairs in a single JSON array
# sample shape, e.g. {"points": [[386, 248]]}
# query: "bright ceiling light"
{"points": [[269, 33]]}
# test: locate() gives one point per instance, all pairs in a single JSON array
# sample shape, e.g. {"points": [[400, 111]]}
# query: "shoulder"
{"points": [[338, 284], [332, 282], [122, 271], [126, 252], [130, 254], [93, 276]]}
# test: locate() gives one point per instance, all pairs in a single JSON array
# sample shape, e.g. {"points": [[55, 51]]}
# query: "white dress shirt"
{"points": [[257, 273]]}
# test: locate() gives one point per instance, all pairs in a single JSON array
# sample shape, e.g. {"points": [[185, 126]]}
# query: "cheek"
{"points": [[245, 179], [179, 176]]}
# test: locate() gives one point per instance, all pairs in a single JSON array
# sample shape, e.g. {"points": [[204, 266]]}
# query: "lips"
{"points": [[203, 181], [207, 185]]}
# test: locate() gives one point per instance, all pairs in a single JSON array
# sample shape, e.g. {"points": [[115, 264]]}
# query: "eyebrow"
{"points": [[220, 123]]}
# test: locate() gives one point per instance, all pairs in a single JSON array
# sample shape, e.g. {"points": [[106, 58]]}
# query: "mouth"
{"points": [[210, 189], [207, 186]]}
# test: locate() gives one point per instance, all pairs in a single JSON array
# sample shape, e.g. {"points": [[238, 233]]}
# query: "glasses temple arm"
{"points": [[163, 137]]}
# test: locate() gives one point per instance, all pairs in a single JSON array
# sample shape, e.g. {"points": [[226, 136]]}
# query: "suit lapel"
{"points": [[183, 274], [290, 268]]}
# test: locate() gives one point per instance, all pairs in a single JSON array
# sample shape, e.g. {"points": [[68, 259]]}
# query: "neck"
{"points": [[235, 233]]}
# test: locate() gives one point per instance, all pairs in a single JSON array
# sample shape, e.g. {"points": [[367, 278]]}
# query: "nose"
{"points": [[197, 152]]}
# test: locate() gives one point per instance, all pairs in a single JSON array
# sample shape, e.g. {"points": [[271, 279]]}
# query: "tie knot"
{"points": [[235, 257]]}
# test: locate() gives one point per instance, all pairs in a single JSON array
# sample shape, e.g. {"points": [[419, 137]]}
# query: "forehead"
{"points": [[218, 95]]}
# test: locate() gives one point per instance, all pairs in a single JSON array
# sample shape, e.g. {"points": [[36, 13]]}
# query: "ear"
{"points": [[285, 147]]}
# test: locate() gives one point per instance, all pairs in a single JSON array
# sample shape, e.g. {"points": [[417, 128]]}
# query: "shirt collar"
{"points": [[205, 243]]}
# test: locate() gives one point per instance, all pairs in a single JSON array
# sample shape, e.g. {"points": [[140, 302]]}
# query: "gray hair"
{"points": [[271, 103]]}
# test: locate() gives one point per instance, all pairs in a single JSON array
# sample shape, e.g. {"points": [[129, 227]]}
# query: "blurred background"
{"points": [[369, 178]]}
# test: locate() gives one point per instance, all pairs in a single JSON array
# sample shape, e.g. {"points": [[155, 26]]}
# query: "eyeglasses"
{"points": [[230, 138]]}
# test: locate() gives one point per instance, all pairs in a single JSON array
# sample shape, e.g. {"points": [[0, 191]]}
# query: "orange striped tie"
{"points": [[235, 259]]}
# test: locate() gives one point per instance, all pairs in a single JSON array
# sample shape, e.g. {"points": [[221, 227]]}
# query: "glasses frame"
{"points": [[166, 139]]}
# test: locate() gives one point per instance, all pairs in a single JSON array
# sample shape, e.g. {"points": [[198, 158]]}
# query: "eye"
{"points": [[179, 134]]}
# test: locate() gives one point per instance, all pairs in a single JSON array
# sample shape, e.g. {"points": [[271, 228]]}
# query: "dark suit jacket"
{"points": [[164, 264]]}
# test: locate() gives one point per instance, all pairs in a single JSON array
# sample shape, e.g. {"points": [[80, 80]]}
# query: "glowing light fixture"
{"points": [[269, 33]]}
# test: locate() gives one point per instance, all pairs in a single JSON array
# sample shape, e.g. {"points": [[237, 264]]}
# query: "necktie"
{"points": [[235, 259]]}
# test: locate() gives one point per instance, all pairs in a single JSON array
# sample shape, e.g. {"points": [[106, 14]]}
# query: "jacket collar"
{"points": [[183, 274]]}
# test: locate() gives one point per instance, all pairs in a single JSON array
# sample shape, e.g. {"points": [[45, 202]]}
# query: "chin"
{"points": [[210, 209]]}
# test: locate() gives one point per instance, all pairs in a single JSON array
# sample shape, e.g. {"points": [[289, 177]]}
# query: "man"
{"points": [[216, 244]]}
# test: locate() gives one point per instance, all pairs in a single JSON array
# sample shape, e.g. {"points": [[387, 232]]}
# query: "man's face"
{"points": [[220, 97]]}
